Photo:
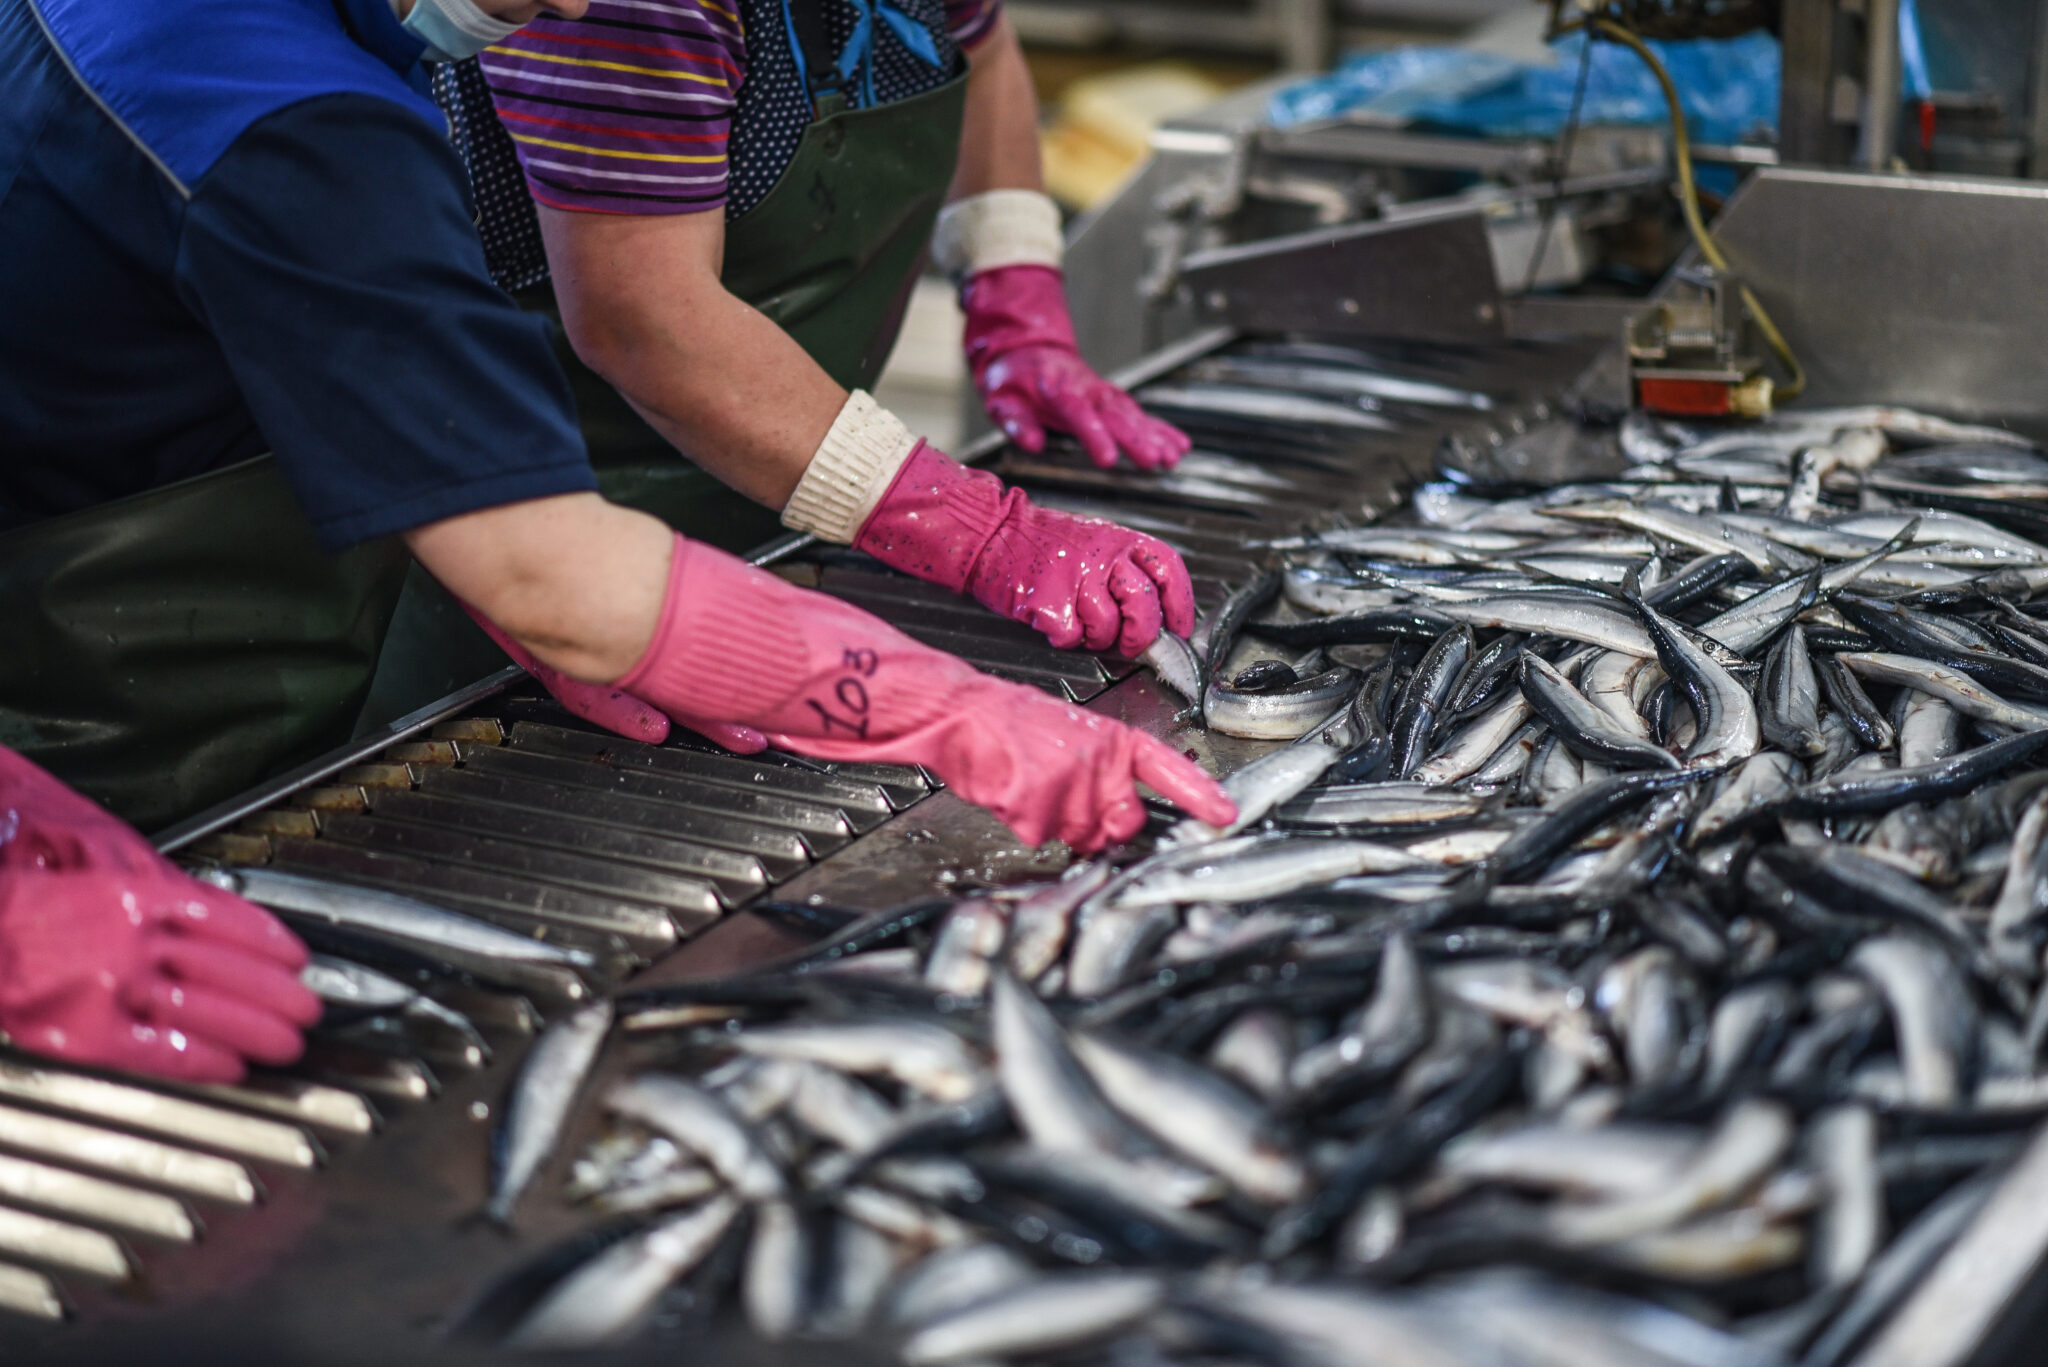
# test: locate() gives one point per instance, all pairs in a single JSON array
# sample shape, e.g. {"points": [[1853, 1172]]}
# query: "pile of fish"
{"points": [[1635, 955]]}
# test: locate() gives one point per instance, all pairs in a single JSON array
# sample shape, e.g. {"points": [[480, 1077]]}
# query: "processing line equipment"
{"points": [[336, 1204]]}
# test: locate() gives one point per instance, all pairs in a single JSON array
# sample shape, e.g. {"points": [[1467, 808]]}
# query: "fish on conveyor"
{"points": [[927, 1058], [1336, 379], [1724, 711], [1174, 661], [1282, 713], [1262, 405], [1272, 779], [606, 1299], [463, 942], [1216, 633], [1789, 699], [1044, 1315], [352, 989], [1427, 698], [542, 1099], [1468, 1045], [1589, 731]]}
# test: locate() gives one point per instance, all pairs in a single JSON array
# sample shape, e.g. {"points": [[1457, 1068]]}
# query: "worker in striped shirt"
{"points": [[734, 199]]}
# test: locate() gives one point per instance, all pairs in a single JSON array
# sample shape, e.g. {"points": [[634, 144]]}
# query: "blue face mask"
{"points": [[454, 30]]}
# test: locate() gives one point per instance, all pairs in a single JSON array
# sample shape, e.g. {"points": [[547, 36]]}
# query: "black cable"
{"points": [[1563, 158]]}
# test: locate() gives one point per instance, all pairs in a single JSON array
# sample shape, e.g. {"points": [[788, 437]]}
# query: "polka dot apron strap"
{"points": [[505, 217]]}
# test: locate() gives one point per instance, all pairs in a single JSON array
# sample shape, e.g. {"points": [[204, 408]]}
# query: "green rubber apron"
{"points": [[831, 253], [167, 650]]}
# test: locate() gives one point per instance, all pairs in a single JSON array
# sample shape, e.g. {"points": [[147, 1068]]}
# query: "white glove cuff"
{"points": [[854, 466], [999, 228]]}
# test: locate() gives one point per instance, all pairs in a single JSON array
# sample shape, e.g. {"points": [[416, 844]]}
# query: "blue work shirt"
{"points": [[240, 230]]}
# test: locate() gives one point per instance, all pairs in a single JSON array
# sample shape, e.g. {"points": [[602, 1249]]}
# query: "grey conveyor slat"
{"points": [[863, 804], [780, 850], [691, 902], [737, 876], [821, 828]]}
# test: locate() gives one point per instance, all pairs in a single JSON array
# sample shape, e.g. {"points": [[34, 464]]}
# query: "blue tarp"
{"points": [[1729, 88]]}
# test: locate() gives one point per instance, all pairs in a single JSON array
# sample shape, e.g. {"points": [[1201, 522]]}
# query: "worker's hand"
{"points": [[1080, 580], [610, 706], [110, 955], [822, 678], [1021, 351]]}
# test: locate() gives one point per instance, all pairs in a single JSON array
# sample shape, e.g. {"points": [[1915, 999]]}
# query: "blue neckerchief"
{"points": [[185, 90]]}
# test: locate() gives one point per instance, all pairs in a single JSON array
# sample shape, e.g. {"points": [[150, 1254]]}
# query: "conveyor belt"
{"points": [[500, 805]]}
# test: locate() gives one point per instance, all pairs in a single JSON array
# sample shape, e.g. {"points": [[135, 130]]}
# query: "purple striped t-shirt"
{"points": [[629, 109]]}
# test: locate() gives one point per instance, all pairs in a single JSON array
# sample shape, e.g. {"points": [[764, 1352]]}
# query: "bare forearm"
{"points": [[727, 386], [576, 580], [999, 136]]}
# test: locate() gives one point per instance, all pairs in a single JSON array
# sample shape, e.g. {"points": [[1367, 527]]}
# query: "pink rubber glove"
{"points": [[611, 707], [1021, 352], [825, 679], [110, 955], [1080, 580]]}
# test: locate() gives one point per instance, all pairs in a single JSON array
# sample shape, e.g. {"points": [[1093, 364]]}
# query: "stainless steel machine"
{"points": [[329, 1213]]}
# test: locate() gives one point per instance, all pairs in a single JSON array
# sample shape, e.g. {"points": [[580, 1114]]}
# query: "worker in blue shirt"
{"points": [[251, 365]]}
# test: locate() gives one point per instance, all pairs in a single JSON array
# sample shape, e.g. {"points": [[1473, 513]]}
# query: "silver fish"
{"points": [[1282, 714], [705, 1126], [1742, 1020], [1603, 1161], [605, 1300], [1729, 729], [927, 1058], [1380, 1037], [1748, 1142], [1195, 1113], [1539, 614], [1040, 921], [1114, 941], [1762, 779], [1931, 1012], [1791, 696], [1267, 782], [1416, 804], [464, 941], [953, 1279], [965, 946], [1254, 1050], [1587, 729], [1476, 742], [775, 1285], [859, 1262], [541, 1099], [1272, 867], [1346, 1326], [1842, 1146], [1045, 1314], [1241, 401], [1052, 1098], [2022, 896], [1958, 690], [1173, 660], [1713, 1248], [1929, 729]]}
